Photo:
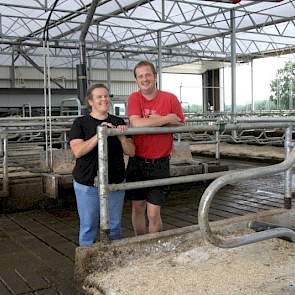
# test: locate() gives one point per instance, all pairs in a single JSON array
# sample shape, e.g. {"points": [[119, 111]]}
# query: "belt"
{"points": [[151, 161]]}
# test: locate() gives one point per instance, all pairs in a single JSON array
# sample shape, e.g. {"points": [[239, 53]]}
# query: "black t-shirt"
{"points": [[86, 166]]}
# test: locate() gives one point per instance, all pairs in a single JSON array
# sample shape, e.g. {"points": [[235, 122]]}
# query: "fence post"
{"points": [[103, 183], [288, 173]]}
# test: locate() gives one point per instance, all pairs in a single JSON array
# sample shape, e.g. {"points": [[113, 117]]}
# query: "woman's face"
{"points": [[100, 100]]}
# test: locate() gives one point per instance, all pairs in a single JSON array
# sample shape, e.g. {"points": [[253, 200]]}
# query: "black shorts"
{"points": [[139, 169]]}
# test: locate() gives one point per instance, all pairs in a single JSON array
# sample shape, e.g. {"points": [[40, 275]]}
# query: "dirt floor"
{"points": [[265, 268]]}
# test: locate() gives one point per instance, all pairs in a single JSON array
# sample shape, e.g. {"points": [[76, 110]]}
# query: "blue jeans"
{"points": [[88, 205]]}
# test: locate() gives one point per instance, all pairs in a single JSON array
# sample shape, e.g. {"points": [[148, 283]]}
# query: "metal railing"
{"points": [[4, 155], [102, 180], [230, 178], [273, 136], [10, 132], [67, 108]]}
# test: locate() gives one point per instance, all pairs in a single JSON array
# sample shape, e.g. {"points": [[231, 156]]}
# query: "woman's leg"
{"points": [[116, 203], [88, 210]]}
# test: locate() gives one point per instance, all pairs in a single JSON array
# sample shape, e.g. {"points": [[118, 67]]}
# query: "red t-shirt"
{"points": [[153, 146]]}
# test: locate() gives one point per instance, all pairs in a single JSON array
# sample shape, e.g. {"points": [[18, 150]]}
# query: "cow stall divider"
{"points": [[101, 181]]}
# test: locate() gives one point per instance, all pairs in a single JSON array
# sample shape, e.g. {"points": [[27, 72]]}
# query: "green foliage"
{"points": [[192, 108], [258, 106], [283, 87]]}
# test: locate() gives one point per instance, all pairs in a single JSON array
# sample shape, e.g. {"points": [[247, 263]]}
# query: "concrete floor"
{"points": [[38, 247]]}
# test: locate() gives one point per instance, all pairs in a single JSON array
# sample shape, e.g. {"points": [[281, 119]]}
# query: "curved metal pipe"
{"points": [[85, 29], [217, 184]]}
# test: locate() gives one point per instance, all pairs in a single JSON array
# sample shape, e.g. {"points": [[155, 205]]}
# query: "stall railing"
{"points": [[102, 179], [230, 178], [4, 192]]}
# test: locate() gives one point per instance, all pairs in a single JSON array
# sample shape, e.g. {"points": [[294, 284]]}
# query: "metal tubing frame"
{"points": [[105, 187], [165, 181], [103, 182], [288, 173], [85, 29], [159, 40], [233, 60], [49, 107], [45, 57], [217, 145], [252, 87], [199, 128], [5, 166], [5, 188], [217, 184], [76, 100]]}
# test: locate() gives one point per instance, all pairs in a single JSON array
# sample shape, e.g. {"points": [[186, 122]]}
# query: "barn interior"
{"points": [[52, 51]]}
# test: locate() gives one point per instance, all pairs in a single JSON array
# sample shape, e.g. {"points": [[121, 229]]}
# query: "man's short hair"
{"points": [[144, 63]]}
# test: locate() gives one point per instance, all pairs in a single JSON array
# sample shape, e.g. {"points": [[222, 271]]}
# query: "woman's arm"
{"points": [[127, 145], [81, 147]]}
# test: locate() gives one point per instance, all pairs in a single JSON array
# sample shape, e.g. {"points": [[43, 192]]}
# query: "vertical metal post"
{"points": [[45, 101], [1, 28], [109, 70], [103, 183], [12, 69], [180, 93], [233, 67], [49, 107], [291, 88], [72, 74], [233, 60], [89, 80], [223, 89], [30, 109], [252, 88], [159, 60], [5, 164], [109, 85], [65, 140], [217, 145], [288, 173], [278, 95], [1, 147]]}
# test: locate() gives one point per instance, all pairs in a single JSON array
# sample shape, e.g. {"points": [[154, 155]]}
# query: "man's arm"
{"points": [[154, 121]]}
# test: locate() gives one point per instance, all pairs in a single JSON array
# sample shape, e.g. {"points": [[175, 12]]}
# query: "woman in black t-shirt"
{"points": [[83, 142]]}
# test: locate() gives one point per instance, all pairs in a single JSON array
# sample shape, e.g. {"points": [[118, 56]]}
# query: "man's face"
{"points": [[146, 79]]}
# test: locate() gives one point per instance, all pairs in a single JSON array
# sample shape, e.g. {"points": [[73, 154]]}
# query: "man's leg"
{"points": [[88, 209], [116, 203], [138, 217], [154, 217]]}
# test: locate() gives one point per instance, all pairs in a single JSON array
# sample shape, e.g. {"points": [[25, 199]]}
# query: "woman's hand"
{"points": [[126, 143], [122, 128], [109, 125]]}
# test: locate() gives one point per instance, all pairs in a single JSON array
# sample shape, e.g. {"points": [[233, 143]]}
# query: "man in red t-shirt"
{"points": [[150, 107]]}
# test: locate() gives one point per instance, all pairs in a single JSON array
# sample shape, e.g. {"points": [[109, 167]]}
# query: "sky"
{"points": [[188, 88]]}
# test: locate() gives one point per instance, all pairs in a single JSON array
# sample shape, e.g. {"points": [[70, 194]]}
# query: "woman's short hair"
{"points": [[89, 92]]}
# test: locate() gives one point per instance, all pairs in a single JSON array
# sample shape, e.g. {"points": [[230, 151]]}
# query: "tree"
{"points": [[283, 87]]}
